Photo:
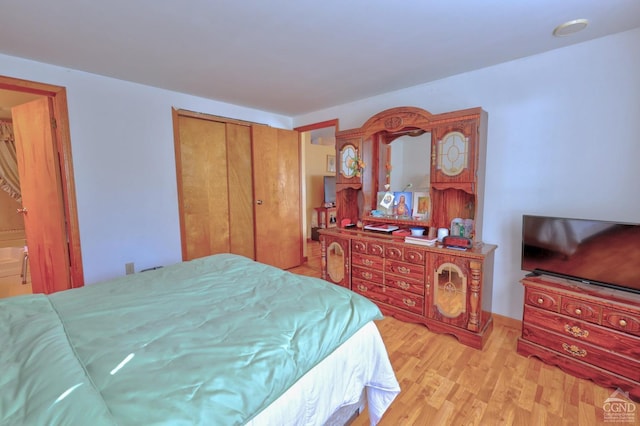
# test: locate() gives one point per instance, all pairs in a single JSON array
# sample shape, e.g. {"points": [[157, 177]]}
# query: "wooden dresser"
{"points": [[588, 331], [447, 290]]}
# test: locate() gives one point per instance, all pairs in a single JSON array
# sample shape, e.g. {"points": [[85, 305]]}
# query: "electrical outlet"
{"points": [[129, 268]]}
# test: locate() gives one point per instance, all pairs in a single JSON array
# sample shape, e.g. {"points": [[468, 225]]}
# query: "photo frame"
{"points": [[331, 163], [385, 202], [421, 205], [402, 202]]}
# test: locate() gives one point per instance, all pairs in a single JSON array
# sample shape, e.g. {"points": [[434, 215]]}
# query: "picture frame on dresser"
{"points": [[421, 205], [402, 203], [385, 203]]}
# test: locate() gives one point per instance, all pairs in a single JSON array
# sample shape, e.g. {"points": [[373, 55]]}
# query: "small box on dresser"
{"points": [[588, 331]]}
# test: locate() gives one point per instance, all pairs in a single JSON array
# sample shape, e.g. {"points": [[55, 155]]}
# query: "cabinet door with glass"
{"points": [[453, 152], [450, 294], [336, 255], [348, 162]]}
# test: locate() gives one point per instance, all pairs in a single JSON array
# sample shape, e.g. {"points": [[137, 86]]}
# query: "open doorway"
{"points": [[318, 153], [17, 93]]}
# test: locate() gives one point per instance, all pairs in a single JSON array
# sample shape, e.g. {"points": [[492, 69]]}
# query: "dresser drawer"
{"points": [[368, 247], [358, 246], [394, 298], [367, 274], [403, 269], [581, 309], [368, 289], [374, 262], [620, 320], [393, 252], [583, 331], [576, 349], [404, 284], [542, 299], [405, 300], [405, 254], [413, 255]]}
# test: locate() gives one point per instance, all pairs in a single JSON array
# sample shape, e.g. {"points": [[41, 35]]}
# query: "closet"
{"points": [[238, 189]]}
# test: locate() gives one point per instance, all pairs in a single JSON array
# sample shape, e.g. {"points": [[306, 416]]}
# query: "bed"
{"points": [[221, 340]]}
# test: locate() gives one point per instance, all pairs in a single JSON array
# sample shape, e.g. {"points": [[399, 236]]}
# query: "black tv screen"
{"points": [[590, 251], [329, 189]]}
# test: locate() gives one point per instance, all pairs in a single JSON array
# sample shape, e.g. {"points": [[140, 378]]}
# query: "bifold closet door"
{"points": [[213, 164]]}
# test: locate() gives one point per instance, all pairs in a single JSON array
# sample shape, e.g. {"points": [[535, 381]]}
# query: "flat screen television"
{"points": [[330, 190], [590, 251]]}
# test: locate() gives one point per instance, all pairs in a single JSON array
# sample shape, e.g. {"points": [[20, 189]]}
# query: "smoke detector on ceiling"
{"points": [[570, 27]]}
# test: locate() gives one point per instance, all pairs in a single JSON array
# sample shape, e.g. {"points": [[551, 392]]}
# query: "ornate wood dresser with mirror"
{"points": [[446, 289]]}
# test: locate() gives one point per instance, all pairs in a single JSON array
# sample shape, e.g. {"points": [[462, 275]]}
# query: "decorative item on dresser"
{"points": [[588, 331], [447, 289]]}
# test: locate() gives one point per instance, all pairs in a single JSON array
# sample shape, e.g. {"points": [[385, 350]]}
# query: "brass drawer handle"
{"points": [[403, 285], [367, 262], [362, 287], [540, 300], [622, 323], [409, 302], [404, 270], [574, 350], [576, 331], [367, 275], [578, 311]]}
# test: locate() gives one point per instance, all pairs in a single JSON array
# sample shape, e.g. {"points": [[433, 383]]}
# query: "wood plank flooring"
{"points": [[446, 383]]}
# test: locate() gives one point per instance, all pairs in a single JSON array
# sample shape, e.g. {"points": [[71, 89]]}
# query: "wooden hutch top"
{"points": [[455, 166]]}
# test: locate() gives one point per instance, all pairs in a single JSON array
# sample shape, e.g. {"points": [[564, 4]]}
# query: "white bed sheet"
{"points": [[361, 362]]}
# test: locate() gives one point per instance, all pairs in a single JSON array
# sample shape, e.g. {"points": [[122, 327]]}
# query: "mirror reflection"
{"points": [[404, 167], [410, 160]]}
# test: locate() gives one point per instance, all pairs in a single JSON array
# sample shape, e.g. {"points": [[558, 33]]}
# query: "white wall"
{"points": [[563, 139], [124, 164]]}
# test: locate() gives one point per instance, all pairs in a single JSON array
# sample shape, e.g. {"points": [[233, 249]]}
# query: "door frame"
{"points": [[58, 96]]}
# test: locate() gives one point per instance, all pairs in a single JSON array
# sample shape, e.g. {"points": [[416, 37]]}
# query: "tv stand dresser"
{"points": [[588, 331]]}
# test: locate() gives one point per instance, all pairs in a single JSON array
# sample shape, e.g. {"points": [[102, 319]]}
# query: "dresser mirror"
{"points": [[408, 156]]}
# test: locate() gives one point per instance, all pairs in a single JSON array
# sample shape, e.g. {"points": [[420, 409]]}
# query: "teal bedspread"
{"points": [[212, 341]]}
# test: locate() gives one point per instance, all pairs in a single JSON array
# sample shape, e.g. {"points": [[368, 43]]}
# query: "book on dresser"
{"points": [[420, 240]]}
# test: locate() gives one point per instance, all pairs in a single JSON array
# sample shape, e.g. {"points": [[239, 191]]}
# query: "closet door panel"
{"points": [[204, 187], [240, 190], [276, 183]]}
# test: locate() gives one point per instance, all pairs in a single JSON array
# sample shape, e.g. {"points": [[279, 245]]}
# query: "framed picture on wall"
{"points": [[331, 163], [421, 205]]}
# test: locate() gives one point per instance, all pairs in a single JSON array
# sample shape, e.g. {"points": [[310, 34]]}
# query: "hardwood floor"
{"points": [[446, 383]]}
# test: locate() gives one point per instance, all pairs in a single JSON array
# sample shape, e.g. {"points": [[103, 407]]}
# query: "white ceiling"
{"points": [[295, 56]]}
